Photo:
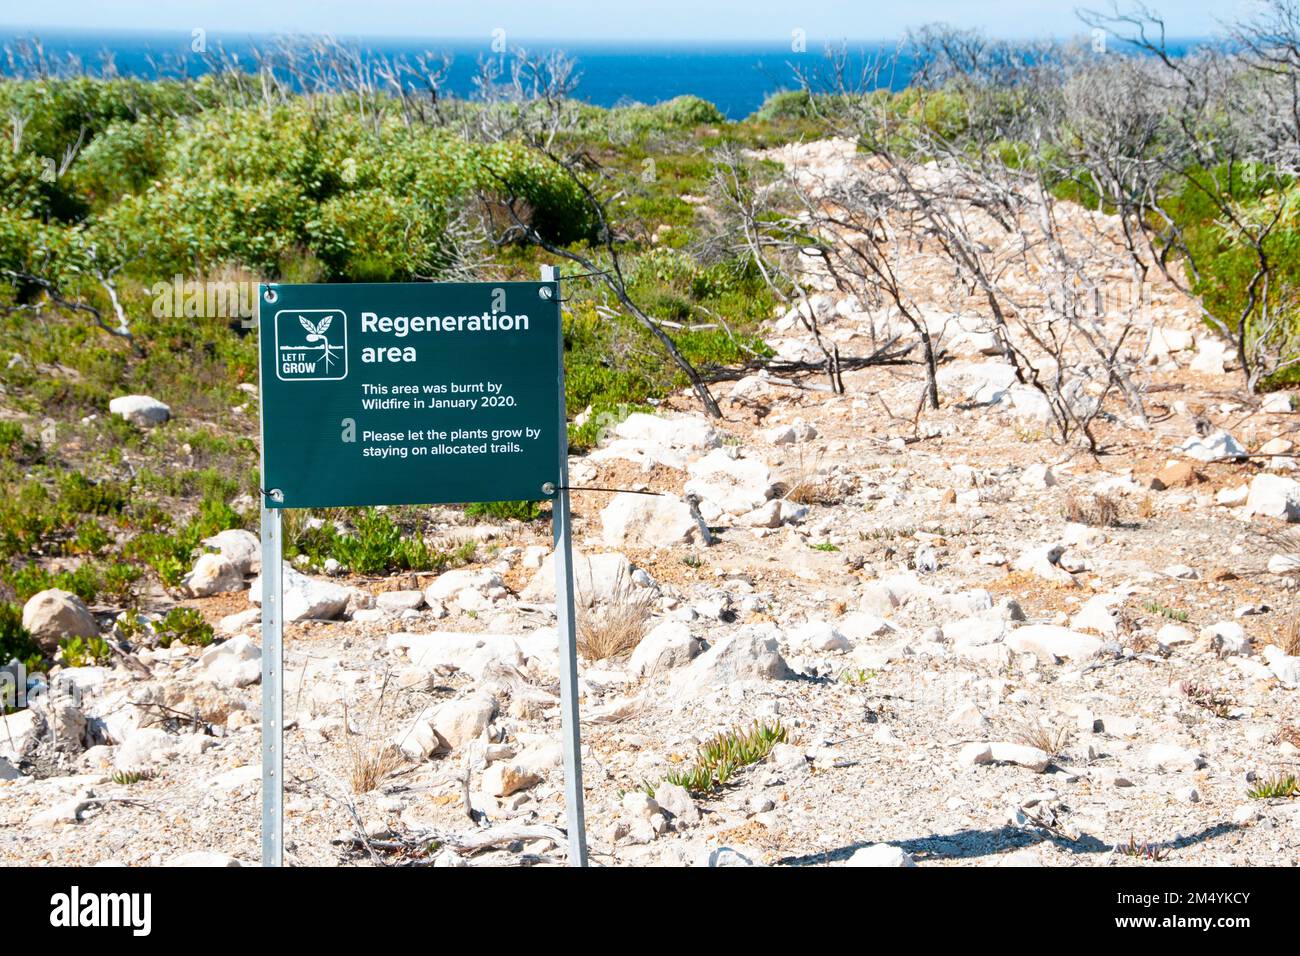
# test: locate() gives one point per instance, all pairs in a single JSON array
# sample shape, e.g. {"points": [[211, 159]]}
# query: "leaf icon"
{"points": [[307, 325], [324, 324]]}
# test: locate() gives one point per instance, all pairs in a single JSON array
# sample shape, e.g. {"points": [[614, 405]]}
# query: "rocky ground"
{"points": [[983, 647]]}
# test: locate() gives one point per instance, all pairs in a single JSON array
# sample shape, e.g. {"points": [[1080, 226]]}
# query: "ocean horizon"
{"points": [[734, 75]]}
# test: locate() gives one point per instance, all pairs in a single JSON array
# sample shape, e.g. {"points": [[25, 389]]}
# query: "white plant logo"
{"points": [[313, 356]]}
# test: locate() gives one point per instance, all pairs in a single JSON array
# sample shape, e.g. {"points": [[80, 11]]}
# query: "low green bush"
{"points": [[505, 510], [30, 579], [15, 641], [183, 625], [85, 652]]}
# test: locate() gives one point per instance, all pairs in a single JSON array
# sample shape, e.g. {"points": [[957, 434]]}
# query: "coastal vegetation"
{"points": [[677, 235]]}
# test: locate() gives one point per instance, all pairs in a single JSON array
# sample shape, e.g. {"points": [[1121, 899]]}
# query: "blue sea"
{"points": [[735, 77]]}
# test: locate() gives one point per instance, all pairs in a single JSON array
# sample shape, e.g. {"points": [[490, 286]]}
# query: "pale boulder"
{"points": [[1099, 614], [140, 410], [1219, 446], [1043, 561], [410, 600], [1211, 356], [54, 614], [1284, 667], [859, 625], [146, 748], [503, 778], [677, 801], [1278, 402], [20, 732], [450, 584], [650, 521], [242, 548], [233, 663], [446, 727], [1023, 755], [681, 431], [735, 485], [1049, 642], [750, 654], [213, 574], [669, 645], [818, 636], [880, 854], [1274, 496], [1284, 564], [306, 598], [1171, 757], [460, 721], [598, 579]]}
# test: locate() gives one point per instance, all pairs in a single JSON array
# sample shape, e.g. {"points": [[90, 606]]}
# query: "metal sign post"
{"points": [[272, 655], [411, 393], [566, 624], [272, 692]]}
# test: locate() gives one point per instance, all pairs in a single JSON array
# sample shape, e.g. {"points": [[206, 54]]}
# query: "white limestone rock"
{"points": [[646, 521], [669, 645], [213, 574], [306, 598], [1050, 642], [54, 614], [736, 485], [140, 410], [242, 548]]}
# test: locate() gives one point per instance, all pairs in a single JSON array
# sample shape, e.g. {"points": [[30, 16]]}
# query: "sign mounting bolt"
{"points": [[275, 494], [548, 488], [544, 292], [270, 295]]}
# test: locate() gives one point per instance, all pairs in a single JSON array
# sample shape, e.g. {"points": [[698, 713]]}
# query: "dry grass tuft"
{"points": [[1051, 740], [372, 758], [1287, 637], [370, 763], [616, 627], [809, 487], [813, 490], [1099, 511]]}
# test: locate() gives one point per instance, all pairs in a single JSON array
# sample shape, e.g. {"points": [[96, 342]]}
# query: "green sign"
{"points": [[411, 393]]}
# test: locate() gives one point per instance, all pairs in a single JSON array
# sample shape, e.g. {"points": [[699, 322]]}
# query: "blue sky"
{"points": [[697, 20]]}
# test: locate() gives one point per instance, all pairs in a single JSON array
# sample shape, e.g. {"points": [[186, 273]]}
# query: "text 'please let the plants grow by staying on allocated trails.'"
{"points": [[410, 393]]}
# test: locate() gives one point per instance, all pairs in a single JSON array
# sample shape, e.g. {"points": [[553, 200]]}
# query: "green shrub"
{"points": [[30, 579], [505, 510], [83, 496], [681, 112], [183, 625], [117, 581], [169, 554], [1225, 263], [85, 652], [15, 641], [1278, 786], [718, 760], [378, 546], [786, 104], [123, 160], [13, 441], [372, 236], [91, 538]]}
